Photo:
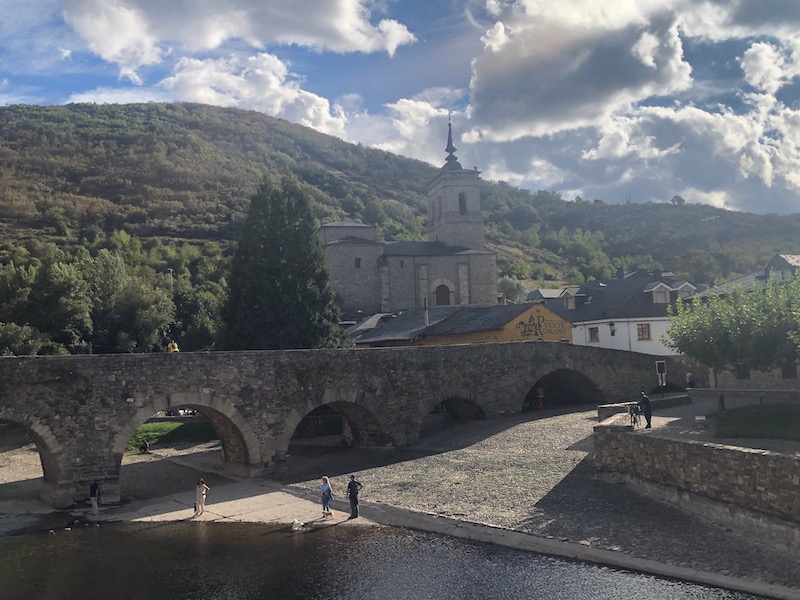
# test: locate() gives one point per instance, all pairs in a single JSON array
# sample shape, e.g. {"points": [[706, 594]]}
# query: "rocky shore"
{"points": [[531, 474]]}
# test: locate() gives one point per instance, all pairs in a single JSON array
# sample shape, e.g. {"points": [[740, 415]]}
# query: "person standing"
{"points": [[326, 493], [94, 497], [352, 492], [200, 497], [647, 409]]}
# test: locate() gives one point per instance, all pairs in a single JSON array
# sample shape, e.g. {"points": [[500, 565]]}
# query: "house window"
{"points": [[442, 296], [684, 293], [462, 203], [569, 302], [661, 296], [642, 331], [742, 372], [358, 263], [594, 334], [789, 370]]}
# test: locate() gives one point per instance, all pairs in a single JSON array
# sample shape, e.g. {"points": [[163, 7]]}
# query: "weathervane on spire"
{"points": [[452, 161]]}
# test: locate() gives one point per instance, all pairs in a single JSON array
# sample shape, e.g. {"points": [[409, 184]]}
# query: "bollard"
{"points": [[721, 402]]}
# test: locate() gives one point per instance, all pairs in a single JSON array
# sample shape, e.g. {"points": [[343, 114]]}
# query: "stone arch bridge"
{"points": [[81, 411]]}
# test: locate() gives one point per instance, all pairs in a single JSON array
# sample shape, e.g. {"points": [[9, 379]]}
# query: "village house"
{"points": [[624, 312], [466, 325]]}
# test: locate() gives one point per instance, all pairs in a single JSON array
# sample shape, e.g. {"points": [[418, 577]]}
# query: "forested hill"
{"points": [[185, 172]]}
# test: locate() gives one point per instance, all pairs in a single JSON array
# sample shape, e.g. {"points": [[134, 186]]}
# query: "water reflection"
{"points": [[236, 561]]}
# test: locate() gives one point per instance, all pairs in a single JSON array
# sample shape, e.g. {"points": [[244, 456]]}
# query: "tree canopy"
{"points": [[280, 293], [758, 328]]}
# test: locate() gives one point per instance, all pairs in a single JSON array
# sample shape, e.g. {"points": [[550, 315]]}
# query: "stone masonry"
{"points": [[82, 410], [766, 483]]}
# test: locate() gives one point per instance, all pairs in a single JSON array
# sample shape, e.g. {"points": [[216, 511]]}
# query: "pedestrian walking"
{"points": [[94, 497], [352, 492], [647, 409], [326, 493], [200, 497]]}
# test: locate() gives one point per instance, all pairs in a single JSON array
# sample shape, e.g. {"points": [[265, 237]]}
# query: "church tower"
{"points": [[454, 211]]}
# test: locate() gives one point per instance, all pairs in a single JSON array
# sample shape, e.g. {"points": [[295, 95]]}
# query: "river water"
{"points": [[230, 561]]}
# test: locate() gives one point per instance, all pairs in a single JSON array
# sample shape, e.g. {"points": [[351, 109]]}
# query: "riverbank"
{"points": [[525, 481]]}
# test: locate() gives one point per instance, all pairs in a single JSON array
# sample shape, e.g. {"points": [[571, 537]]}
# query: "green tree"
{"points": [[757, 328], [279, 290], [512, 289]]}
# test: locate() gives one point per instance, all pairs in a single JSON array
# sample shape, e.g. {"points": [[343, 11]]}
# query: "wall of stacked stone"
{"points": [[605, 411], [757, 380], [744, 397], [756, 480], [82, 410]]}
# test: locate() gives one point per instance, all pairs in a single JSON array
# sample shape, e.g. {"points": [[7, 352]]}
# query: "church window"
{"points": [[442, 296], [358, 263], [462, 203]]}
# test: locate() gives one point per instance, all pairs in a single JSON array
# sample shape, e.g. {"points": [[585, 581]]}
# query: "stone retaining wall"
{"points": [[604, 411], [743, 397], [765, 482]]}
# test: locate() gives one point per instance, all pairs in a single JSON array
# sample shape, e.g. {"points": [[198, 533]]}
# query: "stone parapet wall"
{"points": [[604, 411], [758, 480], [743, 397]]}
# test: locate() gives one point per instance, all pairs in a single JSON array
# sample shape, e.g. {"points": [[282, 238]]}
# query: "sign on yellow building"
{"points": [[538, 323], [469, 325]]}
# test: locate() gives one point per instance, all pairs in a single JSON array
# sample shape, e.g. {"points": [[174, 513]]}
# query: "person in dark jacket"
{"points": [[352, 492], [647, 409], [94, 496]]}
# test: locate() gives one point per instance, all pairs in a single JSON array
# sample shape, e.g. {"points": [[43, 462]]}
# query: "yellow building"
{"points": [[468, 325]]}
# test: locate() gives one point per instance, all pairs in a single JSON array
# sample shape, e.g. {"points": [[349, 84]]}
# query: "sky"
{"points": [[617, 100]]}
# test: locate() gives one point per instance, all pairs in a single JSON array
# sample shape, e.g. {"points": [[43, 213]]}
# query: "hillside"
{"points": [[184, 172]]}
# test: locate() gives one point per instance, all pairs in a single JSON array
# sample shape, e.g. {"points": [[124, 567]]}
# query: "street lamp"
{"points": [[612, 327]]}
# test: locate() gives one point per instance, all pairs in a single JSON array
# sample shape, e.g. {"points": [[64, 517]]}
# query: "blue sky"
{"points": [[606, 99]]}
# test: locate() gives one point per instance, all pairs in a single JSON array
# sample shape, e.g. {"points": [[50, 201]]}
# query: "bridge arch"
{"points": [[358, 411], [55, 472], [240, 444], [460, 403], [564, 386]]}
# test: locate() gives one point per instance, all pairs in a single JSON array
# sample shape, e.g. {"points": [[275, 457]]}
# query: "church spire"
{"points": [[452, 163]]}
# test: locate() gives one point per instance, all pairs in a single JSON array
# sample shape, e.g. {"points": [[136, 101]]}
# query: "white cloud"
{"points": [[718, 20], [567, 65], [116, 32], [137, 33], [261, 82]]}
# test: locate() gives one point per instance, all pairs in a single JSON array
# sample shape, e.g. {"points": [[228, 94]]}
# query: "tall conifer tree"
{"points": [[280, 293]]}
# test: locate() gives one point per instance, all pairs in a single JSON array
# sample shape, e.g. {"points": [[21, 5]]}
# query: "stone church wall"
{"points": [[358, 287]]}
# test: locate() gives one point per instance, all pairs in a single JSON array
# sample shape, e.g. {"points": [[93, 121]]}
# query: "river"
{"points": [[232, 561]]}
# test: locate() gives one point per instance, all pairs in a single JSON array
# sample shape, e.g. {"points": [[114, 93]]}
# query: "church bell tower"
{"points": [[454, 211]]}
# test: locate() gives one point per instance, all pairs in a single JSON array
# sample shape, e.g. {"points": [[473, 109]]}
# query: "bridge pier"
{"points": [[58, 494]]}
